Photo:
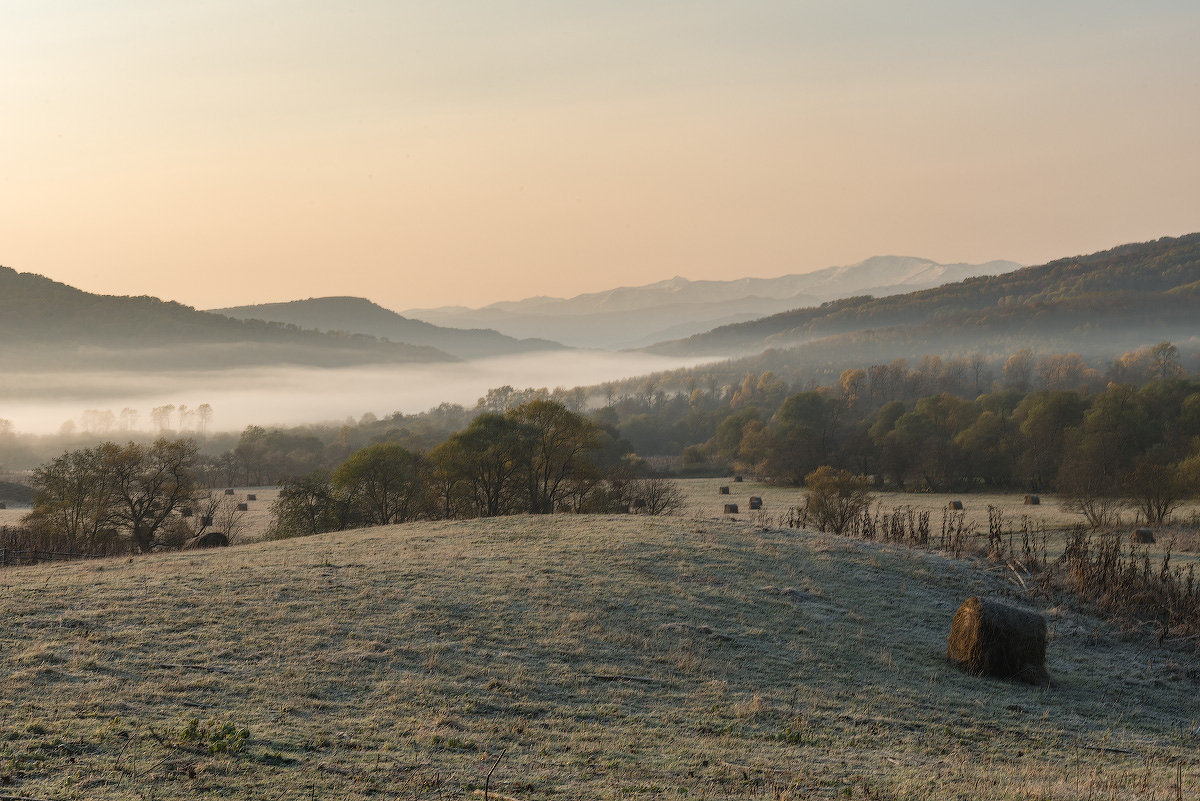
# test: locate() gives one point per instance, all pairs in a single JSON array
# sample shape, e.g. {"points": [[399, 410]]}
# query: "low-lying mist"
{"points": [[45, 403]]}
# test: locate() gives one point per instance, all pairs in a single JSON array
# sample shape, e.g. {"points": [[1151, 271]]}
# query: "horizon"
{"points": [[600, 290], [459, 155]]}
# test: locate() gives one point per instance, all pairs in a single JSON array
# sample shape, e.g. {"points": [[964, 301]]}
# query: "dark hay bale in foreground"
{"points": [[1032, 500], [755, 502], [252, 497], [955, 505], [723, 490], [243, 507], [1142, 536], [731, 509], [988, 638], [211, 539]]}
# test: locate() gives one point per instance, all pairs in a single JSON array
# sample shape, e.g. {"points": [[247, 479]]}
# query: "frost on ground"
{"points": [[604, 657]]}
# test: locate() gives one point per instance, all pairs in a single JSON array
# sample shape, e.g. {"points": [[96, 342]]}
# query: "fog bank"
{"points": [[41, 403]]}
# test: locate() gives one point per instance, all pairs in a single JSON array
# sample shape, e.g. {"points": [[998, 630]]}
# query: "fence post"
{"points": [[3, 557]]}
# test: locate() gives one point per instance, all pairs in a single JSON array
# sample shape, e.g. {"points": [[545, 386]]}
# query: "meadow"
{"points": [[575, 657]]}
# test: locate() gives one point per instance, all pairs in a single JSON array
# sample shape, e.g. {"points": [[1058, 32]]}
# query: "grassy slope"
{"points": [[399, 662]]}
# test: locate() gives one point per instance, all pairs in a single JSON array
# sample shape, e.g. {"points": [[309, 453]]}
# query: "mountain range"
{"points": [[1098, 305], [47, 325], [361, 316], [628, 317]]}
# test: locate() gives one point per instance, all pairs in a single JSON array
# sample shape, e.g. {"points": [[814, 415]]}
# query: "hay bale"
{"points": [[737, 479], [243, 507], [723, 490], [1032, 500], [988, 638], [955, 506], [1142, 536], [755, 502], [209, 539], [251, 497], [228, 492], [731, 509], [185, 512]]}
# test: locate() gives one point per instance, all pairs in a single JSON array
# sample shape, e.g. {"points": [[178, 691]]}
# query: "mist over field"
{"points": [[40, 403]]}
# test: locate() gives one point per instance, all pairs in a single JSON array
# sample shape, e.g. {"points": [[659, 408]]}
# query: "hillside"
{"points": [[640, 315], [1104, 301], [581, 657], [48, 325], [361, 316]]}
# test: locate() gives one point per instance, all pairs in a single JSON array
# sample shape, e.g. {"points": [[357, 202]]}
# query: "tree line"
{"points": [[539, 457], [536, 458]]}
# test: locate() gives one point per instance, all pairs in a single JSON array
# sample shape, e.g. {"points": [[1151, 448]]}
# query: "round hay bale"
{"points": [[955, 505], [737, 479], [209, 539], [251, 497], [1032, 500], [731, 509], [243, 507], [228, 492], [988, 638], [723, 490], [755, 502], [1142, 536]]}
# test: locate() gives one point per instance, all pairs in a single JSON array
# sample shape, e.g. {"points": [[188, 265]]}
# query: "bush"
{"points": [[834, 498]]}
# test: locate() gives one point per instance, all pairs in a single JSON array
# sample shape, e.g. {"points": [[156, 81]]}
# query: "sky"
{"points": [[437, 153]]}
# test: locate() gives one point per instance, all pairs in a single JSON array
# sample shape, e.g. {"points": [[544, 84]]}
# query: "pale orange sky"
{"points": [[426, 154]]}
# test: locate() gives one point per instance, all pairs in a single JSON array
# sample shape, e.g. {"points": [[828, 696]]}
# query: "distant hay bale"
{"points": [[755, 502], [1142, 536], [1032, 500], [209, 539], [737, 479], [243, 507], [251, 497], [988, 638], [731, 509], [228, 492], [955, 505], [723, 491]]}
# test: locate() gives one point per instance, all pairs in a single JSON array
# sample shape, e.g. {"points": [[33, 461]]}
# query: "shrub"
{"points": [[834, 498]]}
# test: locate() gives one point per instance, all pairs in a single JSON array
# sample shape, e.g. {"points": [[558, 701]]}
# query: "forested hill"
{"points": [[47, 325], [1148, 291], [361, 316]]}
